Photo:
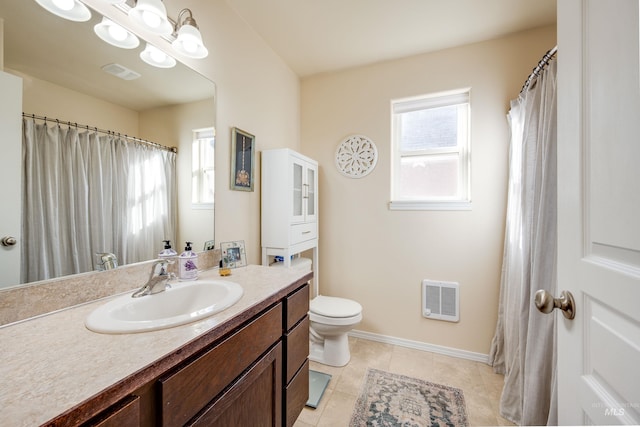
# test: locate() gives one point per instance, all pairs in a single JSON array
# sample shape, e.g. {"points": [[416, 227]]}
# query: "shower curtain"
{"points": [[523, 348], [86, 192]]}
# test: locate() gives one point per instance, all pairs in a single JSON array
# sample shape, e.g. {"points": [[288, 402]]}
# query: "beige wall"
{"points": [[379, 257], [47, 99], [257, 93]]}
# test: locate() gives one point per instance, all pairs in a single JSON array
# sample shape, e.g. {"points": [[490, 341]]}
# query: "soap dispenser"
{"points": [[187, 264], [167, 253]]}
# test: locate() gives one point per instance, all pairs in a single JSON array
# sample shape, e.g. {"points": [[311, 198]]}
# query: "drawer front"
{"points": [[296, 306], [123, 414], [303, 232], [297, 347], [192, 387], [297, 394]]}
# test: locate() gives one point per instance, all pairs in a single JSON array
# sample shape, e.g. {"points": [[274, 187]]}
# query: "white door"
{"points": [[599, 211], [10, 173]]}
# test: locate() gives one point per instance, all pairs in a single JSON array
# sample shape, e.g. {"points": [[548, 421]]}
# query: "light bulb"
{"points": [[151, 19], [72, 10], [157, 55], [190, 46], [154, 56], [64, 4], [117, 32], [189, 42]]}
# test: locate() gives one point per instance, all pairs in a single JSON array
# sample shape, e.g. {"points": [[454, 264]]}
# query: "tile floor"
{"points": [[480, 385]]}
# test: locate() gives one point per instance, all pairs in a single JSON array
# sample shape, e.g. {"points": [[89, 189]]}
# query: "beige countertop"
{"points": [[52, 363]]}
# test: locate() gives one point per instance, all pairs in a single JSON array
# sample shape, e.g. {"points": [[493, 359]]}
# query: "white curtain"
{"points": [[523, 348], [86, 192]]}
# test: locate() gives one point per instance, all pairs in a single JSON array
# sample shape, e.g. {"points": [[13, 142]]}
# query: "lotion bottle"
{"points": [[167, 253], [187, 264]]}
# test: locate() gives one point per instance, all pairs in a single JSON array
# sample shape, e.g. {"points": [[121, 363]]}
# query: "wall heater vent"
{"points": [[440, 300]]}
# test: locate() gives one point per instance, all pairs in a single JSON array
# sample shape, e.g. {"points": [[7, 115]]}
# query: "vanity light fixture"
{"points": [[115, 34], [157, 58], [152, 15], [72, 10], [188, 40]]}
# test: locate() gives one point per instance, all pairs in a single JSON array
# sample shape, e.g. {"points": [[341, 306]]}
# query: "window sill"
{"points": [[423, 205], [203, 206]]}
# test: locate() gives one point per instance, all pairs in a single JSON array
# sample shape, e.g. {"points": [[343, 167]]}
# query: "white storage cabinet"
{"points": [[289, 206]]}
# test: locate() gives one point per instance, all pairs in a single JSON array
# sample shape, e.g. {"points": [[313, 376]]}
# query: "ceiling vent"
{"points": [[120, 71]]}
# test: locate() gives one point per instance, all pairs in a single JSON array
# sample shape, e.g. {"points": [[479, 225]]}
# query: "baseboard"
{"points": [[417, 345]]}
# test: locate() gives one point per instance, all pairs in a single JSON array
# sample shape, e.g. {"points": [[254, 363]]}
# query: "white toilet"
{"points": [[331, 318]]}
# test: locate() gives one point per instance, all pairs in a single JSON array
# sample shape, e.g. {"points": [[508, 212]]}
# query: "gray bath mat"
{"points": [[318, 382]]}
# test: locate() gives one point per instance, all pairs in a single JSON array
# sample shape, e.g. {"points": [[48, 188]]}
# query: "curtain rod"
{"points": [[95, 129], [541, 64]]}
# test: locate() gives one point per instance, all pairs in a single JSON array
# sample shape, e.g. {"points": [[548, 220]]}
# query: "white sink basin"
{"points": [[185, 302]]}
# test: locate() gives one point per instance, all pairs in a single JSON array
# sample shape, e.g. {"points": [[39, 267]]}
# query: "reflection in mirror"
{"points": [[64, 68]]}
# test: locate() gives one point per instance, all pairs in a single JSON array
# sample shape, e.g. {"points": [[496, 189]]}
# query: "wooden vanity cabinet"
{"points": [[257, 375], [190, 389]]}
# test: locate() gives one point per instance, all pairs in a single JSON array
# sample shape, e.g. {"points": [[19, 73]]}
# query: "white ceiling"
{"points": [[311, 36], [314, 36]]}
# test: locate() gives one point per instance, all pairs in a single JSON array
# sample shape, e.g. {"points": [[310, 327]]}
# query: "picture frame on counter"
{"points": [[233, 254]]}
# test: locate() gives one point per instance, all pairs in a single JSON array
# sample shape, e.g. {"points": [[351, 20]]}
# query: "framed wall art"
{"points": [[233, 254], [243, 158]]}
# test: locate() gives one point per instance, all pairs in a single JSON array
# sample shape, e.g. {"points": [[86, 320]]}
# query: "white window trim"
{"points": [[404, 105], [199, 134], [420, 205]]}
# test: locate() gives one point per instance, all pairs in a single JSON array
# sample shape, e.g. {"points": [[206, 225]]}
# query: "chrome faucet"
{"points": [[158, 280], [107, 261]]}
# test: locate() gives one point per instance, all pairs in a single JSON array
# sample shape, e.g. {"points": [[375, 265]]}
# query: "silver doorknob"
{"points": [[545, 302], [8, 241]]}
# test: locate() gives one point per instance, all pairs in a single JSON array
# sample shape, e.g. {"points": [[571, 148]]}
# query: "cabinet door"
{"points": [[254, 400], [304, 190], [298, 191], [311, 193]]}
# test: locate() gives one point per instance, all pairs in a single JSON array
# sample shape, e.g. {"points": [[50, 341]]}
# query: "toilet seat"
{"points": [[334, 321], [334, 306], [334, 311]]}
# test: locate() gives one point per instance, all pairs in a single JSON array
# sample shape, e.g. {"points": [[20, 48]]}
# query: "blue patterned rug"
{"points": [[393, 400]]}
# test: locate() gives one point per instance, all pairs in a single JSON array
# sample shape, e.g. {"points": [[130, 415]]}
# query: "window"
{"points": [[203, 165], [430, 152]]}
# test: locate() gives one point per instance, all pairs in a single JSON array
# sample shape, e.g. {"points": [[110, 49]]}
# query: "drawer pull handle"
{"points": [[306, 232]]}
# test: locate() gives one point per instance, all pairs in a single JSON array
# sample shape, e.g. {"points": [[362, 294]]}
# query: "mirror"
{"points": [[56, 57]]}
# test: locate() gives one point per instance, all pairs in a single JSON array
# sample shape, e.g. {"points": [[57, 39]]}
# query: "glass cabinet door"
{"points": [[297, 191], [311, 192]]}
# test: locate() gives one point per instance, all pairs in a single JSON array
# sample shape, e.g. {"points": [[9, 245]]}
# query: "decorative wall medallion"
{"points": [[356, 156]]}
